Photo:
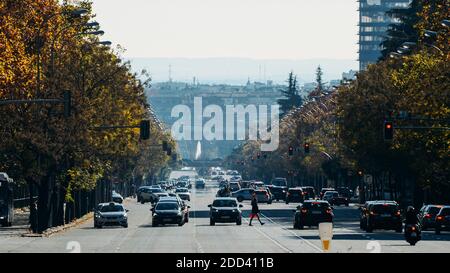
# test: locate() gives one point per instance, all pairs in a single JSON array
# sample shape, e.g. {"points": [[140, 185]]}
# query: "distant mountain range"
{"points": [[239, 70]]}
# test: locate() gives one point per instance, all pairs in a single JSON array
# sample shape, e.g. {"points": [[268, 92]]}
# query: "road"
{"points": [[197, 236]]}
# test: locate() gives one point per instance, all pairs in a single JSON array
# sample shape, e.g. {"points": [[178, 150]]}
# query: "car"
{"points": [[235, 186], [235, 178], [312, 212], [345, 192], [6, 200], [427, 216], [180, 202], [243, 194], [295, 195], [258, 185], [363, 214], [323, 190], [117, 198], [183, 193], [144, 194], [168, 212], [328, 195], [279, 182], [443, 220], [309, 192], [110, 214], [334, 198], [263, 196], [157, 195], [200, 184], [278, 193], [383, 214], [225, 210]]}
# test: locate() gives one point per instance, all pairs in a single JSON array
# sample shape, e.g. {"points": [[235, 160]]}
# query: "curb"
{"points": [[49, 232]]}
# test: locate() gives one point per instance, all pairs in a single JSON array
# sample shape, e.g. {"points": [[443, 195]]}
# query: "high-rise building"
{"points": [[373, 24]]}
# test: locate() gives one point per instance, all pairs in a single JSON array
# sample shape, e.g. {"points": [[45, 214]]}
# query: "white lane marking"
{"points": [[271, 239], [295, 234], [197, 242]]}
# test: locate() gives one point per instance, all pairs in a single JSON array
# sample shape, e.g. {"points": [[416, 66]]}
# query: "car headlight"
{"points": [[215, 210], [98, 216]]}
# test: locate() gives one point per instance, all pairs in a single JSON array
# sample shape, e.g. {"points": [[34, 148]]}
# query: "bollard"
{"points": [[326, 234]]}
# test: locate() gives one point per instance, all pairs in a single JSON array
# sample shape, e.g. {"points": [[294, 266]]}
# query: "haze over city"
{"points": [[229, 41]]}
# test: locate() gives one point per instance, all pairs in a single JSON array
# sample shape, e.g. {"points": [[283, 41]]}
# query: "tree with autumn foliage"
{"points": [[46, 49]]}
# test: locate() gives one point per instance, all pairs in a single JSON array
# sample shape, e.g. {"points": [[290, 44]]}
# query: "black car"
{"points": [[168, 213], [382, 215], [427, 216], [313, 212], [225, 210], [324, 190], [443, 220], [345, 192], [278, 193], [295, 195], [309, 192]]}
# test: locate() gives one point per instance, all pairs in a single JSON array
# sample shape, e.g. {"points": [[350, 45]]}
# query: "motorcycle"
{"points": [[413, 234]]}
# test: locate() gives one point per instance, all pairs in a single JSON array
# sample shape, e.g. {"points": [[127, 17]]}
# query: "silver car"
{"points": [[183, 193], [110, 214]]}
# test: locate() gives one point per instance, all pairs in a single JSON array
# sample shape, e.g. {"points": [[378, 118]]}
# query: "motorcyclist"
{"points": [[411, 216]]}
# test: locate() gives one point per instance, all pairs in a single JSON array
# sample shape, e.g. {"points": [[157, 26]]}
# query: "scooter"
{"points": [[413, 234]]}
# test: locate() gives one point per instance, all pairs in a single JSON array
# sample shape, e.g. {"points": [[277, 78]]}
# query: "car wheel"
{"points": [[301, 226], [211, 222], [126, 225], [278, 200], [399, 229], [181, 223], [287, 202], [437, 231], [239, 222], [154, 224], [240, 199], [142, 202]]}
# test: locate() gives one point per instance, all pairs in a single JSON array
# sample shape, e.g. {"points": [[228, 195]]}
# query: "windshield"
{"points": [[181, 190], [224, 203], [316, 205], [385, 208], [279, 182], [109, 208], [167, 206]]}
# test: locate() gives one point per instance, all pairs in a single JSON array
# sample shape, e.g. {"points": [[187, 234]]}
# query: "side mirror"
{"points": [[152, 209], [209, 206], [241, 206], [127, 210]]}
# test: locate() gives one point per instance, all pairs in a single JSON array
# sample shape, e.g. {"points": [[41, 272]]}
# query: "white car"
{"points": [[183, 193]]}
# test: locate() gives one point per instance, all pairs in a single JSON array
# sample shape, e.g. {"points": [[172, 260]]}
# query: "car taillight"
{"points": [[397, 213], [372, 213], [304, 210], [413, 228], [428, 215], [329, 211], [440, 218]]}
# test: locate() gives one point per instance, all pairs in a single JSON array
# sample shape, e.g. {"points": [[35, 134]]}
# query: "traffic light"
{"points": [[165, 146], [306, 148], [67, 104], [145, 129], [388, 130], [291, 151]]}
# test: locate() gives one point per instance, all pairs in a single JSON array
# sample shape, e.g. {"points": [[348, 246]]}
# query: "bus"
{"points": [[6, 201]]}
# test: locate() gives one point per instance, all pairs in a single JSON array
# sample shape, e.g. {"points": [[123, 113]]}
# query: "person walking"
{"points": [[255, 210]]}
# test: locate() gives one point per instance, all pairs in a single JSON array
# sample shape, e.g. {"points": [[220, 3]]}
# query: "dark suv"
{"points": [[311, 213], [309, 192], [278, 188], [294, 195], [382, 215], [225, 210], [443, 220], [427, 216]]}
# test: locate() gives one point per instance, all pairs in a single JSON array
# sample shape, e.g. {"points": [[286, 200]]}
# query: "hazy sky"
{"points": [[260, 29]]}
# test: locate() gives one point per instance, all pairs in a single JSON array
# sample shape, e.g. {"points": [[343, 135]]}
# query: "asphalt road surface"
{"points": [[197, 236]]}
